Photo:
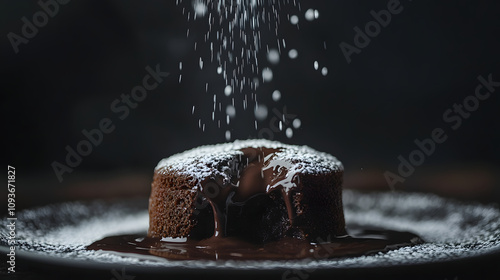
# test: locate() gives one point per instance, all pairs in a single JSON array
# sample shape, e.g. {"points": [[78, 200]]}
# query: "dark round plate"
{"points": [[454, 232]]}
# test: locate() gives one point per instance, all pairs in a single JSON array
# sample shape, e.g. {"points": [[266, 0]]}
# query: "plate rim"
{"points": [[57, 260]]}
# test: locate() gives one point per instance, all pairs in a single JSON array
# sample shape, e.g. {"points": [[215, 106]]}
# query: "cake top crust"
{"points": [[218, 160]]}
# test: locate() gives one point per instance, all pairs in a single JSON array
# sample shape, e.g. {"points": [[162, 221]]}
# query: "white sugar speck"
{"points": [[296, 123], [289, 132], [316, 65], [293, 53], [256, 83], [231, 111], [273, 56], [228, 135], [309, 15], [276, 95], [294, 19], [267, 75], [261, 112], [324, 71], [312, 14], [228, 90], [200, 9]]}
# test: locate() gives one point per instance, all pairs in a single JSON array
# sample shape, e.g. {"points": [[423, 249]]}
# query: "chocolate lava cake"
{"points": [[255, 190]]}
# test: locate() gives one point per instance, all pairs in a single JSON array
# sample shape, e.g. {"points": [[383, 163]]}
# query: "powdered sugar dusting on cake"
{"points": [[216, 160]]}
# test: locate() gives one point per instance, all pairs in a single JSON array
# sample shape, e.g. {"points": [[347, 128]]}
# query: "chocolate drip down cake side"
{"points": [[254, 190]]}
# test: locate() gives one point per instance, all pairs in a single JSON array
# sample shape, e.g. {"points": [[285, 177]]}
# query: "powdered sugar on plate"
{"points": [[452, 231]]}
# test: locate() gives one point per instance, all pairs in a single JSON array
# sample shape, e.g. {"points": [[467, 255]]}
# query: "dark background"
{"points": [[367, 113]]}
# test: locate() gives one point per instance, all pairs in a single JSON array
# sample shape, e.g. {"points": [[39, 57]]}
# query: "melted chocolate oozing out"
{"points": [[254, 175], [362, 242]]}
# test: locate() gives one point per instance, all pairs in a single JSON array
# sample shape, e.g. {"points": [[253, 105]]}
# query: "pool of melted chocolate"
{"points": [[361, 241]]}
